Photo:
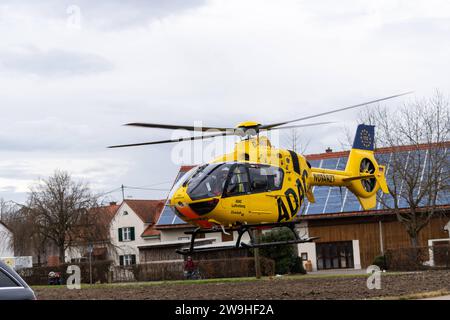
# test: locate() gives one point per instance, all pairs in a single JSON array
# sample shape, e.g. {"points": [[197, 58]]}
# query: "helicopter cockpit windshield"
{"points": [[208, 181], [232, 179]]}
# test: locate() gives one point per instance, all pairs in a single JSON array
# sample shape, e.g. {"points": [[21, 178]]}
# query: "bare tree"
{"points": [[419, 167], [58, 206], [94, 229], [9, 215], [5, 208], [26, 238], [295, 141]]}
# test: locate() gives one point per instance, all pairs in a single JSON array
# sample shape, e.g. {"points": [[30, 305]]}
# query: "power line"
{"points": [[156, 184], [105, 193], [123, 187], [143, 188]]}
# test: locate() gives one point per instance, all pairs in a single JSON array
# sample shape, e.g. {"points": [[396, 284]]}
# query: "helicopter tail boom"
{"points": [[363, 176]]}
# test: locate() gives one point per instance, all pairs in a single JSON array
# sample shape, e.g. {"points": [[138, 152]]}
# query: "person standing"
{"points": [[189, 267]]}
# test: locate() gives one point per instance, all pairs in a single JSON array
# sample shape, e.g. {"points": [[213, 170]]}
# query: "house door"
{"points": [[334, 255]]}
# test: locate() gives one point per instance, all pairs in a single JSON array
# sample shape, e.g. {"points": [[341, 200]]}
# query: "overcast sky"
{"points": [[68, 82]]}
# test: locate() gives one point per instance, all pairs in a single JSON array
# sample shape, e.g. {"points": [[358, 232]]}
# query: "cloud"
{"points": [[50, 134], [65, 93], [107, 15], [22, 173], [53, 62]]}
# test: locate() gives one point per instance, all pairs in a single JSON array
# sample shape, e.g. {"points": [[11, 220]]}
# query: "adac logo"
{"points": [[365, 138]]}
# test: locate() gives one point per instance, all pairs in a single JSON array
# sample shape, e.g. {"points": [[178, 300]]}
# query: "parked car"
{"points": [[12, 286]]}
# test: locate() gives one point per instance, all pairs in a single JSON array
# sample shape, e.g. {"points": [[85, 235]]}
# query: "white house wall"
{"points": [[73, 253], [6, 240], [356, 254], [310, 249], [123, 221]]}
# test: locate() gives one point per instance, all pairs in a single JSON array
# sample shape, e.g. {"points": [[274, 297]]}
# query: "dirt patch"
{"points": [[349, 287]]}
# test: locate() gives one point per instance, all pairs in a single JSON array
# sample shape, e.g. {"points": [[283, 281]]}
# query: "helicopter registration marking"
{"points": [[323, 178]]}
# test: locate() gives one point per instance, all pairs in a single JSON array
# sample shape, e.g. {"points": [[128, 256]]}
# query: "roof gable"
{"points": [[150, 231], [147, 210], [105, 213]]}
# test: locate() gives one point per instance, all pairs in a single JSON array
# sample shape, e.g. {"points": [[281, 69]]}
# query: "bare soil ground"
{"points": [[298, 287]]}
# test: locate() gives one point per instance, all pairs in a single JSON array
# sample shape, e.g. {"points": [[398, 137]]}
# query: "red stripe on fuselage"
{"points": [[195, 218]]}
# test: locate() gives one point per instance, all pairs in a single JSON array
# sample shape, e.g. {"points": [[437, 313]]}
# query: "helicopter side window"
{"points": [[238, 182], [265, 178]]}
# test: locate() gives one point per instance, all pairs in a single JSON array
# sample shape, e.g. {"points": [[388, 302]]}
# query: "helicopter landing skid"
{"points": [[241, 230]]}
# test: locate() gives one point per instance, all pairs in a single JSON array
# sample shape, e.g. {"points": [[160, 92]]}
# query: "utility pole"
{"points": [[123, 192], [256, 236]]}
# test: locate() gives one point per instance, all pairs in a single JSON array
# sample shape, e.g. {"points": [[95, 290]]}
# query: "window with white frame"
{"points": [[126, 234], [127, 260]]}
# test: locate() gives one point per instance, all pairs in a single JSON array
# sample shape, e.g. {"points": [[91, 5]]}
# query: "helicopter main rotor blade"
{"points": [[301, 125], [269, 126], [169, 141], [174, 127], [231, 132]]}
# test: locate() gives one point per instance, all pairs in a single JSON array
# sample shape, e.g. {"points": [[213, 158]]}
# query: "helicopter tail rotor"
{"points": [[367, 176]]}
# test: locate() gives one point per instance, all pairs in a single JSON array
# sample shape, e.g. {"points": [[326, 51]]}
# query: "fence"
{"points": [[173, 270], [103, 271], [39, 275], [421, 258]]}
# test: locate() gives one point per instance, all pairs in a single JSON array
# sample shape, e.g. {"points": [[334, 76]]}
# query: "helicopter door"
{"points": [[235, 191], [265, 184]]}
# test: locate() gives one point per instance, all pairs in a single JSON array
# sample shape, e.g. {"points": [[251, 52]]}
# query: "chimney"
{"points": [[112, 203], [329, 150]]}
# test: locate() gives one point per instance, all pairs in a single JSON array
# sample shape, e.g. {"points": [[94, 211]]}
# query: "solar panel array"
{"points": [[334, 200]]}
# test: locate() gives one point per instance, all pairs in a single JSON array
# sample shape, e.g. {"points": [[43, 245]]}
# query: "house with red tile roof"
{"points": [[121, 229], [133, 225], [94, 231]]}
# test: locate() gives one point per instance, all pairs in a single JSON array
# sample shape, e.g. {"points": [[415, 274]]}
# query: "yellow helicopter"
{"points": [[259, 186]]}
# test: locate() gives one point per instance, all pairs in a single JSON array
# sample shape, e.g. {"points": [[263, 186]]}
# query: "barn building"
{"points": [[348, 237]]}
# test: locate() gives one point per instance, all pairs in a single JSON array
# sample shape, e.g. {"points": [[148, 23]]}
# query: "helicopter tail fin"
{"points": [[365, 175]]}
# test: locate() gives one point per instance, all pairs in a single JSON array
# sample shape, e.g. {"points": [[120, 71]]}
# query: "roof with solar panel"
{"points": [[257, 185], [329, 200]]}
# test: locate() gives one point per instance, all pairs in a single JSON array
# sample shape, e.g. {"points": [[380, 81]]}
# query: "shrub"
{"points": [[297, 266], [381, 262], [407, 259], [285, 256]]}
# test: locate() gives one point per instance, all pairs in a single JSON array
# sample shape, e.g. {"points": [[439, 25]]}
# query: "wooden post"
{"points": [[380, 227], [256, 235]]}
